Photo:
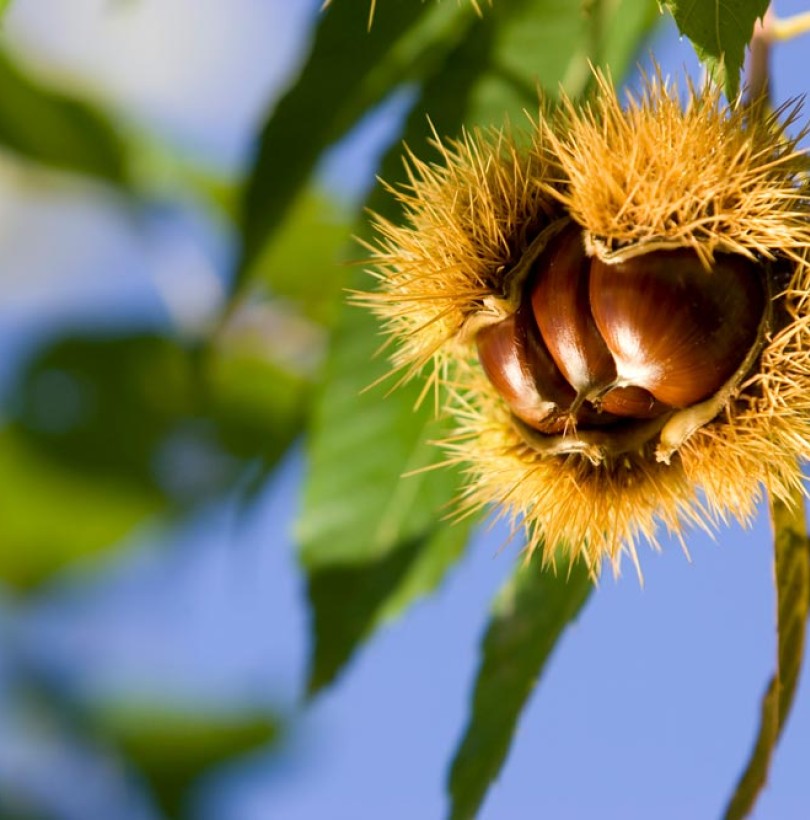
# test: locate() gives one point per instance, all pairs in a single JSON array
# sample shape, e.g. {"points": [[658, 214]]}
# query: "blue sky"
{"points": [[649, 706]]}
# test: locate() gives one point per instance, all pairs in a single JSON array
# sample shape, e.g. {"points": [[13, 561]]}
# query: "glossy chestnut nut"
{"points": [[632, 402], [560, 302], [594, 345], [674, 328], [518, 365]]}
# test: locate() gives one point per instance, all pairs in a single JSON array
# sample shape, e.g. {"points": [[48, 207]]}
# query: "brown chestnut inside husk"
{"points": [[597, 345], [673, 327], [560, 302]]}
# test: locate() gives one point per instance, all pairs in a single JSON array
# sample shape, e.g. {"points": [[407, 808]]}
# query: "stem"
{"points": [[790, 27], [768, 31], [759, 59]]}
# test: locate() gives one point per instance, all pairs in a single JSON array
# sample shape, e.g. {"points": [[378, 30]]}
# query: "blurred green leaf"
{"points": [[105, 404], [622, 30], [306, 262], [54, 129], [529, 616], [54, 514], [792, 559], [12, 808], [349, 71], [548, 45], [259, 378], [720, 33], [259, 405], [140, 410], [172, 749], [162, 172]]}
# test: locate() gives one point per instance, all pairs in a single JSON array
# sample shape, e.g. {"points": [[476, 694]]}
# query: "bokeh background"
{"points": [[154, 630]]}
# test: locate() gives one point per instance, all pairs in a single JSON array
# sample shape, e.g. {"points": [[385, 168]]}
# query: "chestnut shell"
{"points": [[673, 327], [560, 302]]}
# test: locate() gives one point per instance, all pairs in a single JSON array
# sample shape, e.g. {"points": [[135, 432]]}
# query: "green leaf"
{"points": [[792, 559], [357, 507], [13, 807], [152, 414], [720, 32], [103, 404], [617, 36], [54, 515], [349, 602], [110, 431], [306, 261], [549, 46], [362, 523], [349, 71], [260, 408], [54, 129], [529, 616], [256, 376], [361, 520], [172, 749]]}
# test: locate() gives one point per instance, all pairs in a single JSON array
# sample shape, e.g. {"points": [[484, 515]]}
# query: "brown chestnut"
{"points": [[675, 328], [634, 402], [594, 345], [516, 362], [559, 298]]}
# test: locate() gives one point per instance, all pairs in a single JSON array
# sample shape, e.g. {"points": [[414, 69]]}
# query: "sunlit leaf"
{"points": [[307, 261], [54, 129], [348, 72], [529, 616], [361, 520], [720, 32], [792, 559], [357, 506], [258, 405]]}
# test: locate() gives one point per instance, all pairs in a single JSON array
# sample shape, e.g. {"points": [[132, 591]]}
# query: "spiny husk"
{"points": [[651, 175], [655, 174], [466, 222], [601, 512]]}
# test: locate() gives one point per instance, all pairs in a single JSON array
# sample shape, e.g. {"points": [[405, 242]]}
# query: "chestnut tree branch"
{"points": [[790, 27]]}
